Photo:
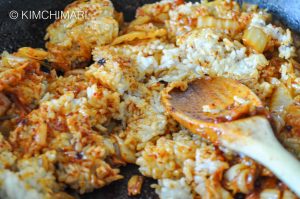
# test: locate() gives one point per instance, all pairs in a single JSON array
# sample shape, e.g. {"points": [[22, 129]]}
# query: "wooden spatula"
{"points": [[229, 114]]}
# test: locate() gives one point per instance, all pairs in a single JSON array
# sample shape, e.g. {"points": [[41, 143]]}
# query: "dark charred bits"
{"points": [[46, 66], [102, 61], [60, 73], [56, 165], [79, 155], [23, 121], [288, 127], [45, 69], [239, 196]]}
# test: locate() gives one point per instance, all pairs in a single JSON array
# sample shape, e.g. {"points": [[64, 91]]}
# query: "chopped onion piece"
{"points": [[256, 39]]}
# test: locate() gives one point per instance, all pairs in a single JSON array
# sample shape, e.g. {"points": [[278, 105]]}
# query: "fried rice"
{"points": [[76, 130]]}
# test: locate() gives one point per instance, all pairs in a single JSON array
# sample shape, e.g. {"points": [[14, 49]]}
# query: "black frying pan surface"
{"points": [[18, 33]]}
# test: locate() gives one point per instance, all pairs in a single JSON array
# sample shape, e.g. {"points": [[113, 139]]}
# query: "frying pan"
{"points": [[18, 33]]}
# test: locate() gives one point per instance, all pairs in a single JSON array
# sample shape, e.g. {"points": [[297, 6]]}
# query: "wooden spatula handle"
{"points": [[254, 137], [285, 166]]}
